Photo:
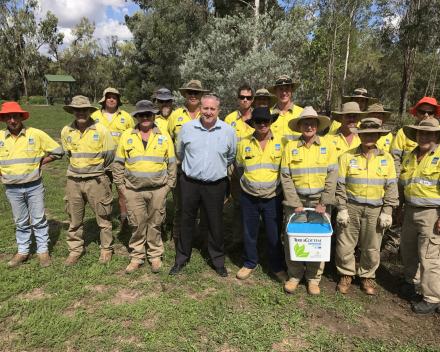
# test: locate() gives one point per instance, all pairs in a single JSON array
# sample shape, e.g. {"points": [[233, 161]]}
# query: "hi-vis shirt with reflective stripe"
{"points": [[176, 120], [385, 142], [241, 128], [309, 171], [281, 125], [121, 121], [260, 169], [88, 153], [400, 148], [421, 182], [365, 181], [20, 157], [340, 142], [136, 167], [161, 123]]}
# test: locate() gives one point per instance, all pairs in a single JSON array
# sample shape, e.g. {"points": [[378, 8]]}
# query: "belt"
{"points": [[203, 182]]}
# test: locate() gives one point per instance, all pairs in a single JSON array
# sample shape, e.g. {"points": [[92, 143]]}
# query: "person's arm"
{"points": [[397, 151], [172, 164], [180, 145], [64, 133], [239, 161], [119, 167], [54, 150], [391, 196], [331, 180], [291, 198], [341, 192], [232, 151], [108, 149]]}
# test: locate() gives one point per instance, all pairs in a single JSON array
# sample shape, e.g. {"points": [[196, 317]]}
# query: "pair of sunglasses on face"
{"points": [[424, 112], [248, 97], [144, 114], [164, 101], [281, 81], [193, 92], [260, 121]]}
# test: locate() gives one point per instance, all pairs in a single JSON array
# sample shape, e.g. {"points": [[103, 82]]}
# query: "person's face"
{"points": [[349, 120], [193, 97], [165, 106], [308, 127], [426, 139], [368, 139], [284, 92], [81, 115], [261, 102], [209, 111], [111, 100], [245, 99], [376, 115], [425, 110], [13, 120], [146, 119], [362, 102], [262, 126]]}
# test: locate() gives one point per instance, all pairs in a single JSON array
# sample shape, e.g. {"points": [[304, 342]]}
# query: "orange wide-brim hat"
{"points": [[11, 108], [426, 100]]}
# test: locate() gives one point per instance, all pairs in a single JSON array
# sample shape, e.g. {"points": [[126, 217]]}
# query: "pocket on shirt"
{"points": [[433, 249], [4, 154], [222, 147]]}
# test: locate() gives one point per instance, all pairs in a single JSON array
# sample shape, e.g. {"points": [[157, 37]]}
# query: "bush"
{"points": [[406, 120]]}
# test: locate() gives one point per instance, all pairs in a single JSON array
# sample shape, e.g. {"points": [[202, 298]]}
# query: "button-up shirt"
{"points": [[206, 154]]}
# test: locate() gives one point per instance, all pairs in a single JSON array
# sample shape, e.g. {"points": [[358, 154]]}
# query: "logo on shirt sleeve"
{"points": [[324, 151], [130, 141], [277, 147], [295, 152], [31, 141], [233, 124], [96, 120], [180, 118], [69, 139], [383, 162], [95, 138], [407, 162], [434, 161], [2, 144]]}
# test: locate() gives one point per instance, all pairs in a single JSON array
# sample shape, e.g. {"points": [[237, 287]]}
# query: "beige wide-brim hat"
{"points": [[359, 93], [265, 94], [427, 124], [193, 85], [370, 125], [110, 90], [309, 113], [282, 81], [79, 102], [349, 108], [379, 108]]}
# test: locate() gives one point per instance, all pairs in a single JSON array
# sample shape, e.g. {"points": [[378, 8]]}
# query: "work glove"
{"points": [[385, 221], [342, 218]]}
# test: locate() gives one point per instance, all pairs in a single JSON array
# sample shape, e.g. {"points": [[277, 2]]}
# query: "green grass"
{"points": [[91, 307]]}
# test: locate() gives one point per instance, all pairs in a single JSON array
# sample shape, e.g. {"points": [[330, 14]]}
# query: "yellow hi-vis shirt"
{"points": [[421, 182], [235, 119], [309, 168], [341, 143], [260, 169], [366, 181], [88, 153], [20, 157], [400, 148], [136, 167], [281, 125], [385, 142], [162, 123], [121, 121], [176, 120]]}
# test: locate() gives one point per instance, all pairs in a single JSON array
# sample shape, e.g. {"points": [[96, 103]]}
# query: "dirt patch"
{"points": [[226, 348], [201, 295], [6, 256], [70, 311], [286, 345], [126, 295], [36, 293], [97, 288], [121, 250]]}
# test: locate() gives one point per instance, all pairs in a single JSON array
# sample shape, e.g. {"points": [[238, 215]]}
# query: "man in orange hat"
{"points": [[23, 150]]}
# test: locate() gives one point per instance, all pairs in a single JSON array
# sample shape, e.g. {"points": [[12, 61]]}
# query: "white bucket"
{"points": [[309, 242]]}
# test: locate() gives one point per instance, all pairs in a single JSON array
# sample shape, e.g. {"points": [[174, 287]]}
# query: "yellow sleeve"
{"points": [[108, 147], [342, 173], [119, 165], [239, 160], [172, 164], [96, 115], [64, 133], [333, 159], [51, 147]]}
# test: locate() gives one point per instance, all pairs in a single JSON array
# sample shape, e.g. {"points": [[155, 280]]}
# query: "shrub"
{"points": [[405, 120]]}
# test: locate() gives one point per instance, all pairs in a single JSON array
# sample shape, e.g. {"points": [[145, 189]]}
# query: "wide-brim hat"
{"points": [[349, 108], [110, 90], [309, 113], [426, 100], [265, 94], [144, 106], [282, 81], [379, 108], [359, 93], [11, 108], [193, 85], [79, 102], [263, 112], [370, 125], [164, 94], [427, 124]]}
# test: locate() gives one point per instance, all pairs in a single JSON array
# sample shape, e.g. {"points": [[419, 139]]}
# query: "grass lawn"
{"points": [[91, 307]]}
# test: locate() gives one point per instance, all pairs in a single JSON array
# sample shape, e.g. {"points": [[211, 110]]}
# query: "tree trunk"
{"points": [[257, 17], [23, 77], [328, 101], [435, 79], [348, 49], [430, 74], [408, 71]]}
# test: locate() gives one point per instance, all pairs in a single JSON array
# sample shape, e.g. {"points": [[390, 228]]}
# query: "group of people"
{"points": [[279, 159]]}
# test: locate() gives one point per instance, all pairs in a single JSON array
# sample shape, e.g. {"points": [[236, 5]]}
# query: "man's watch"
{"points": [[323, 205]]}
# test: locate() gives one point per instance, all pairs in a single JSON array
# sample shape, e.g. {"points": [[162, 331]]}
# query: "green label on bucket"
{"points": [[299, 251]]}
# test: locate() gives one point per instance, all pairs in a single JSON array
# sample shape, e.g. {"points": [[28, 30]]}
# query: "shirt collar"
{"points": [[117, 112], [137, 130], [199, 125], [301, 140], [377, 151], [276, 108], [90, 125], [22, 131], [339, 132], [432, 151], [239, 115], [254, 136]]}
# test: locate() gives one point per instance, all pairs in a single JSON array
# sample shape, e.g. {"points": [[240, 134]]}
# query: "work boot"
{"points": [[407, 289], [367, 285], [314, 290], [244, 273], [290, 286], [45, 260], [155, 266], [132, 267], [344, 284], [424, 307], [234, 247], [72, 259], [105, 257], [173, 243], [18, 259], [281, 276]]}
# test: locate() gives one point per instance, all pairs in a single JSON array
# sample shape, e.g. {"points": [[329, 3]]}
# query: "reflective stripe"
{"points": [[365, 181], [423, 201], [155, 159], [332, 167], [87, 170], [262, 166], [108, 152], [239, 165], [58, 150], [21, 177], [261, 184], [116, 134], [291, 137], [308, 191], [308, 170], [391, 181], [146, 174], [239, 139], [172, 136], [419, 180], [118, 158], [86, 155], [405, 153], [365, 200], [21, 161], [341, 179], [285, 170], [397, 151], [171, 160]]}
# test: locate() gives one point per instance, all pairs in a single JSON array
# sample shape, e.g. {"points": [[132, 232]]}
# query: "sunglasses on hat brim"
{"points": [[283, 80]]}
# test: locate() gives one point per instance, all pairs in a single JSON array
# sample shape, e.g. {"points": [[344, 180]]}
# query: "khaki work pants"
{"points": [[122, 205], [146, 211], [295, 270], [363, 229], [421, 245], [237, 224], [97, 192]]}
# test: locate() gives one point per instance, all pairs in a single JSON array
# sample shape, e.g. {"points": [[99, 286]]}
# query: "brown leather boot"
{"points": [[132, 267], [72, 260], [281, 276], [105, 257], [18, 259], [244, 273], [367, 285], [344, 284], [314, 290], [289, 287], [155, 266], [45, 260]]}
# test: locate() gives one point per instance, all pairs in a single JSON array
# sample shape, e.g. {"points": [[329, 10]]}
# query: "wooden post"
{"points": [[45, 86]]}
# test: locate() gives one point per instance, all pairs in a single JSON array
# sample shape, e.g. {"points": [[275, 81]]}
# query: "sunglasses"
{"points": [[144, 114], [193, 92], [243, 97], [260, 121], [424, 112], [356, 92], [281, 81], [164, 101]]}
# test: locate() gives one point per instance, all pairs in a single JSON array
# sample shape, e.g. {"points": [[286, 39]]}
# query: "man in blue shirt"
{"points": [[206, 146]]}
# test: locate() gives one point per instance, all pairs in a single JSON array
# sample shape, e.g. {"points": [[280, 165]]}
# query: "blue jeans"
{"points": [[28, 199], [271, 211]]}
